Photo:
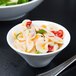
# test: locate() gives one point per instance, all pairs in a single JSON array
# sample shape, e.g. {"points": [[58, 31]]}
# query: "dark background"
{"points": [[59, 11]]}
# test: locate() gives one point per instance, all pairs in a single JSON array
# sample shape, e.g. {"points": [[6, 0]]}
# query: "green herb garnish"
{"points": [[38, 52], [29, 31], [29, 27], [17, 35], [41, 31]]}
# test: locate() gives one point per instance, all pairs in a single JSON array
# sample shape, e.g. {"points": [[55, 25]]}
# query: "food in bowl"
{"points": [[34, 59], [37, 39], [12, 2]]}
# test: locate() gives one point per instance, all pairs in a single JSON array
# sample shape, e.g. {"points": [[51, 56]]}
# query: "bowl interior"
{"points": [[66, 39], [18, 5]]}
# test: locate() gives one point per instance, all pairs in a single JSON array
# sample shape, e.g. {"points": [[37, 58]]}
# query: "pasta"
{"points": [[38, 39]]}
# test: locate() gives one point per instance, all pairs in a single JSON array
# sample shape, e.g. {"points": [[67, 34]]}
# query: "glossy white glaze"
{"points": [[16, 11], [39, 60]]}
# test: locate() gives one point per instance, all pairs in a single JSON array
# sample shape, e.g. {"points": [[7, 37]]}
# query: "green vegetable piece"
{"points": [[29, 31], [4, 4], [29, 27], [22, 1], [11, 3], [17, 35], [41, 31], [4, 1], [38, 52]]}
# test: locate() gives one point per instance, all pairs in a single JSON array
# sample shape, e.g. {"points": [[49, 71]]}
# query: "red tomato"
{"points": [[50, 48], [40, 29], [35, 30], [54, 32], [51, 36], [61, 37], [28, 24], [58, 33]]}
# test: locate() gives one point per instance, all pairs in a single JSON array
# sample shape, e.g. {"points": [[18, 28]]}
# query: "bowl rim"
{"points": [[31, 54], [19, 5]]}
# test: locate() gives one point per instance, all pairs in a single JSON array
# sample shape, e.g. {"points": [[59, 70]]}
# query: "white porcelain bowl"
{"points": [[39, 60], [16, 11]]}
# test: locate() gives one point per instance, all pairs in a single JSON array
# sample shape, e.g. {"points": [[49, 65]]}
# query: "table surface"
{"points": [[59, 11]]}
